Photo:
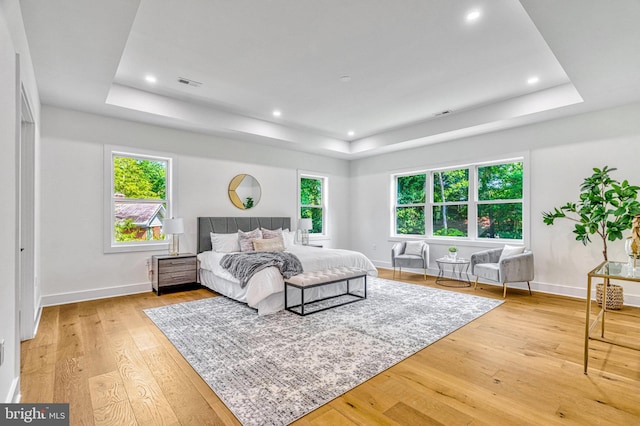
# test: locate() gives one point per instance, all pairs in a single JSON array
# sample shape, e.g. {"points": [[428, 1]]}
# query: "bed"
{"points": [[264, 291]]}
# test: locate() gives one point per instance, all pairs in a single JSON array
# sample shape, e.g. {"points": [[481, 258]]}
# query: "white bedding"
{"points": [[264, 290]]}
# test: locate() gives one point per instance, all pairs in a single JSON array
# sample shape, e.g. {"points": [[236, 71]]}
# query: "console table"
{"points": [[606, 270]]}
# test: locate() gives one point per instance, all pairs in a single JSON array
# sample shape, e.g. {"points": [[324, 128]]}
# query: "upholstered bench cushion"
{"points": [[325, 276]]}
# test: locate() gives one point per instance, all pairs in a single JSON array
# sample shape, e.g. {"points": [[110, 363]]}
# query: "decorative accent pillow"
{"points": [[270, 244], [224, 243], [246, 239], [289, 238], [413, 248], [267, 234], [509, 251]]}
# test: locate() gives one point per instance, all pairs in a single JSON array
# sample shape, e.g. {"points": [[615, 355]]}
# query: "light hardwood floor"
{"points": [[519, 364]]}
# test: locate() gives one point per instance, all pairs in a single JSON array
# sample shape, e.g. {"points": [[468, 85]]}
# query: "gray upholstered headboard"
{"points": [[229, 225]]}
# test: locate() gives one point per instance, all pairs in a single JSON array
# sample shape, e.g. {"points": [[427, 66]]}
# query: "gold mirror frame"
{"points": [[244, 191]]}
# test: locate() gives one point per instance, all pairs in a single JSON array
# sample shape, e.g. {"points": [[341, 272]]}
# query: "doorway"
{"points": [[29, 309]]}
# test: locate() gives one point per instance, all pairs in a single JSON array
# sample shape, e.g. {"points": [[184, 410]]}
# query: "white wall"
{"points": [[562, 153], [74, 266], [12, 42], [9, 371]]}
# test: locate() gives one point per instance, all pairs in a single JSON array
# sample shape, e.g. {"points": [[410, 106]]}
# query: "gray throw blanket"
{"points": [[244, 265]]}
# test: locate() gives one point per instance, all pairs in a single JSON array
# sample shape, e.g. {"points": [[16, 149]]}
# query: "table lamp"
{"points": [[304, 225], [173, 227]]}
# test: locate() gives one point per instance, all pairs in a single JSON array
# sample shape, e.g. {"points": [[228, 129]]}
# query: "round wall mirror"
{"points": [[244, 191]]}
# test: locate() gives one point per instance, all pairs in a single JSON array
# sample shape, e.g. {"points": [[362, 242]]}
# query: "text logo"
{"points": [[34, 414]]}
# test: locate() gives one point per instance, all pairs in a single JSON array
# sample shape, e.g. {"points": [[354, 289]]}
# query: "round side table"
{"points": [[457, 275]]}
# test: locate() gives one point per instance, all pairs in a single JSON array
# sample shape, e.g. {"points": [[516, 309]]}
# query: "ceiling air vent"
{"points": [[189, 82]]}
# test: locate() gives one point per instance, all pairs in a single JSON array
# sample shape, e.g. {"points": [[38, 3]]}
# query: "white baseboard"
{"points": [[381, 264], [13, 397], [38, 317], [100, 293], [579, 293], [630, 300], [549, 288]]}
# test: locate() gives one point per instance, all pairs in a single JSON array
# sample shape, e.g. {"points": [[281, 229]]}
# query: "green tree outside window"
{"points": [[137, 180], [410, 204], [500, 201], [311, 202], [450, 188], [141, 179]]}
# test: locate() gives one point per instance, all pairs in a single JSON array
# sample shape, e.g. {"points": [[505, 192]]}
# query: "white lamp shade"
{"points": [[173, 226], [305, 224]]}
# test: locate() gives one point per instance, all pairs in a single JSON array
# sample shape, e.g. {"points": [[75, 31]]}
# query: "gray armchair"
{"points": [[416, 257], [488, 265]]}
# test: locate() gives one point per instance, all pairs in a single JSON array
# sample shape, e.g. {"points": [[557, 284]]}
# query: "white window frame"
{"points": [[523, 200], [472, 204], [395, 204], [324, 201], [109, 243], [431, 204]]}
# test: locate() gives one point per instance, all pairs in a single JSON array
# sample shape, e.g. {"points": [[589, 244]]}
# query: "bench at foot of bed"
{"points": [[308, 280]]}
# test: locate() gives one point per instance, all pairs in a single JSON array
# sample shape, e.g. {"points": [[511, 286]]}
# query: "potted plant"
{"points": [[453, 252], [606, 208]]}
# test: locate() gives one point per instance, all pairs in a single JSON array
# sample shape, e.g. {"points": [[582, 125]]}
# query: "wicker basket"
{"points": [[615, 297]]}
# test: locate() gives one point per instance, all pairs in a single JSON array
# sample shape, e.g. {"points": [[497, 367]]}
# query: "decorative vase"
{"points": [[615, 296], [633, 256], [453, 255]]}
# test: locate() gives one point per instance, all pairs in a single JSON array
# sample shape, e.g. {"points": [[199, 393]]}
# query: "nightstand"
{"points": [[173, 271]]}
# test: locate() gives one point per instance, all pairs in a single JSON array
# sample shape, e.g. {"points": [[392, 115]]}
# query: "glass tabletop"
{"points": [[450, 260], [617, 270]]}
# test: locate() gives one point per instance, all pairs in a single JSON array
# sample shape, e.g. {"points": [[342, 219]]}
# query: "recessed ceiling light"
{"points": [[277, 113], [151, 79], [351, 133], [473, 15], [533, 80]]}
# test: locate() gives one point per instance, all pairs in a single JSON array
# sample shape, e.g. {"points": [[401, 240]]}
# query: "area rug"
{"points": [[274, 369]]}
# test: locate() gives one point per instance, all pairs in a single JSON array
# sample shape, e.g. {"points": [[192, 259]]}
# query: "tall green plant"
{"points": [[606, 208]]}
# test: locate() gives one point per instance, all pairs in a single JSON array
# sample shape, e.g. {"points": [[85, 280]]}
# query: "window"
{"points": [[500, 201], [410, 204], [312, 202], [450, 208], [489, 194], [138, 192]]}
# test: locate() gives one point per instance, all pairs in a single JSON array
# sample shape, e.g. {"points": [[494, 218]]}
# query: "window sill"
{"points": [[128, 248]]}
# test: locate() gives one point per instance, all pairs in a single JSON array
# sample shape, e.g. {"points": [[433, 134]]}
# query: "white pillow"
{"points": [[413, 248], [289, 238], [509, 251], [225, 243]]}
